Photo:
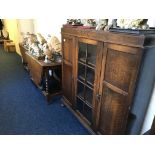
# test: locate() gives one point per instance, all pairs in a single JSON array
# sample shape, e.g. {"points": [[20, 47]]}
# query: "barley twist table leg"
{"points": [[46, 81]]}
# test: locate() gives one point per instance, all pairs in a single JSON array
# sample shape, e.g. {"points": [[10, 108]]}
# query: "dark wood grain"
{"points": [[113, 112], [118, 62], [67, 73], [110, 37]]}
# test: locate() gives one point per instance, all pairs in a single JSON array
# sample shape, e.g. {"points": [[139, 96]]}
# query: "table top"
{"points": [[42, 63], [10, 43]]}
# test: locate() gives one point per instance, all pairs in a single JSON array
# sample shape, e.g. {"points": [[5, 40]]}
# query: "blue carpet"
{"points": [[23, 108]]}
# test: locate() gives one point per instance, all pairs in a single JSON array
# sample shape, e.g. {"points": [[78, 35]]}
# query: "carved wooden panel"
{"points": [[119, 68], [113, 112]]}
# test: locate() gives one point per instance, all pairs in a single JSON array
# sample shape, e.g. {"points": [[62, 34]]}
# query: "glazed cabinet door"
{"points": [[120, 67], [87, 73], [67, 68]]}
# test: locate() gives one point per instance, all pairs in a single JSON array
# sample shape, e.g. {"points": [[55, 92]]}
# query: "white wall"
{"points": [[50, 26], [150, 114], [11, 26], [24, 26], [151, 22]]}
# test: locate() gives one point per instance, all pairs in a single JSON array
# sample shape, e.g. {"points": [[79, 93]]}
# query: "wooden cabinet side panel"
{"points": [[75, 70], [68, 51], [67, 48], [67, 82]]}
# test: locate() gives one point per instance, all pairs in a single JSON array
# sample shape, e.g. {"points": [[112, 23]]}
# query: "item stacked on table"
{"points": [[41, 48]]}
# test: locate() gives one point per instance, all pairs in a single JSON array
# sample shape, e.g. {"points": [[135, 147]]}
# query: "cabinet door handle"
{"points": [[64, 39], [98, 96]]}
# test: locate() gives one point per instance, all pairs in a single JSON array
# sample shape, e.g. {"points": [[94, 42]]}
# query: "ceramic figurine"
{"points": [[89, 22], [112, 23], [41, 39], [139, 24], [48, 38], [46, 59], [48, 53], [35, 50], [133, 23], [74, 21], [48, 42], [25, 39], [69, 21], [92, 22], [54, 44], [30, 41], [102, 24]]}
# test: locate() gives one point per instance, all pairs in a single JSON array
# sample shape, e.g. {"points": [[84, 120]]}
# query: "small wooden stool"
{"points": [[10, 47], [5, 42]]}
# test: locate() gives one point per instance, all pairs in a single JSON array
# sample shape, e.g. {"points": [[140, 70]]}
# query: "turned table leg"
{"points": [[46, 81], [46, 85]]}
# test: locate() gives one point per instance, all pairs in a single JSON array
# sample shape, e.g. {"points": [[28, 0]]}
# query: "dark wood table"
{"points": [[46, 76]]}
